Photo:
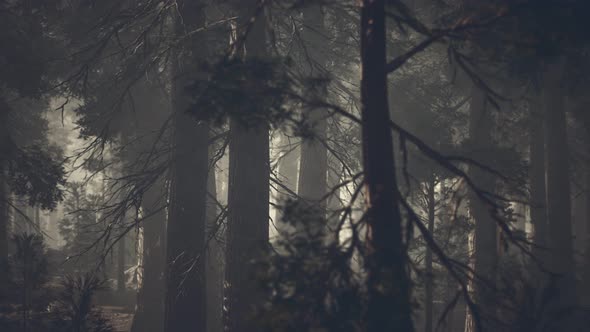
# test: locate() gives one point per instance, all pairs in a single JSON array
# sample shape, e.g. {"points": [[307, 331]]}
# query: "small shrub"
{"points": [[74, 311]]}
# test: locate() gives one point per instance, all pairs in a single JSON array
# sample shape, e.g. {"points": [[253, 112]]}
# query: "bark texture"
{"points": [[388, 283], [4, 194], [215, 259], [248, 196], [313, 167], [428, 324], [485, 255], [186, 285], [560, 241], [149, 314], [537, 182]]}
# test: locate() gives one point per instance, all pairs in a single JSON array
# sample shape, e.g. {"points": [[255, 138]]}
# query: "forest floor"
{"points": [[120, 317]]}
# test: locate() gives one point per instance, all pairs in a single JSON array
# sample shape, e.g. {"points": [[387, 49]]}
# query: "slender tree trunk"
{"points": [[248, 197], [428, 327], [4, 193], [334, 204], [149, 315], [186, 268], [215, 235], [485, 238], [121, 248], [388, 282], [561, 256], [586, 272], [537, 184]]}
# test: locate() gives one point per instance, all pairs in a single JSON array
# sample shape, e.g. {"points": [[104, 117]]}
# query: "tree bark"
{"points": [[288, 175], [4, 220], [428, 327], [538, 197], [121, 264], [313, 167], [388, 282], [486, 252], [215, 235], [248, 197], [561, 256], [4, 193], [586, 272], [155, 109], [149, 315], [186, 286]]}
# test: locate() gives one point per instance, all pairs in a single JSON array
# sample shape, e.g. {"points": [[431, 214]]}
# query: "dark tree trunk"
{"points": [[4, 220], [215, 236], [121, 265], [248, 198], [428, 327], [186, 288], [4, 193], [388, 282], [561, 256], [586, 272], [155, 109], [537, 183], [149, 315], [486, 251]]}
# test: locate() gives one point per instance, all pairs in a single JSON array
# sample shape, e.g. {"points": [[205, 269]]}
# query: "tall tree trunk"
{"points": [[586, 272], [121, 249], [538, 197], [428, 327], [186, 289], [4, 193], [287, 169], [561, 256], [388, 282], [4, 220], [155, 109], [149, 315], [334, 204], [248, 197], [313, 169], [215, 259], [485, 247]]}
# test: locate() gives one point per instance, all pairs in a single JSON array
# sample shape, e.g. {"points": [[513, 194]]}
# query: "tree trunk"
{"points": [[215, 235], [121, 264], [313, 167], [248, 198], [586, 272], [485, 238], [186, 287], [4, 216], [538, 197], [561, 257], [149, 315], [288, 176], [4, 193], [428, 327], [388, 282]]}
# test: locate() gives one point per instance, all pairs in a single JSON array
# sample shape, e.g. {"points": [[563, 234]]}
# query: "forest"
{"points": [[294, 165]]}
